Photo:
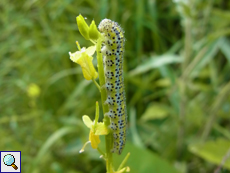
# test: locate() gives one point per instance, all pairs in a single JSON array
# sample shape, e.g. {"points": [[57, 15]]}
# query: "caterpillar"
{"points": [[112, 51]]}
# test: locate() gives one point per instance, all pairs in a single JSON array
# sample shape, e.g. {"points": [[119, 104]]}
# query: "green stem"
{"points": [[101, 152], [182, 87], [96, 114], [108, 138], [123, 162], [93, 41], [78, 46], [187, 72], [96, 84], [224, 93]]}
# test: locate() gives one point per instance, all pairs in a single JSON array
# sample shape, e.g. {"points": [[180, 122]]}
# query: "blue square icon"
{"points": [[10, 161]]}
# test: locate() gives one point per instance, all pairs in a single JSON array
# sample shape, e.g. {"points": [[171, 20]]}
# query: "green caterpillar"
{"points": [[112, 51]]}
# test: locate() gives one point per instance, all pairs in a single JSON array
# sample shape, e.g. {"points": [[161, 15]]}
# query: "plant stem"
{"points": [[108, 138], [101, 152], [224, 93], [187, 72], [227, 155], [99, 88], [182, 87], [123, 162]]}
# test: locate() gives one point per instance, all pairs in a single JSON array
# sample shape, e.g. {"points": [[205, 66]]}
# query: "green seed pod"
{"points": [[83, 27], [93, 32]]}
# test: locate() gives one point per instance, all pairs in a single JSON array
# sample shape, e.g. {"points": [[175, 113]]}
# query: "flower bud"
{"points": [[93, 32], [83, 27]]}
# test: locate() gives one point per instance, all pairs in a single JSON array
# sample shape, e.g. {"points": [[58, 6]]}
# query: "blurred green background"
{"points": [[177, 82]]}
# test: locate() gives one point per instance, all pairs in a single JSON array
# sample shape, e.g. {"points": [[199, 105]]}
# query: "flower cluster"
{"points": [[84, 56]]}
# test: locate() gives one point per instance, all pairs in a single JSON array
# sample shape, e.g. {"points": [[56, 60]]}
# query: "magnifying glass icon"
{"points": [[9, 160]]}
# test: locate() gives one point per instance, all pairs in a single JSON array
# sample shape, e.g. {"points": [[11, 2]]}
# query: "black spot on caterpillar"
{"points": [[112, 51]]}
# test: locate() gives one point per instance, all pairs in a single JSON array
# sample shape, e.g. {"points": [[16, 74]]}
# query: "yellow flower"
{"points": [[84, 59], [96, 129], [33, 90]]}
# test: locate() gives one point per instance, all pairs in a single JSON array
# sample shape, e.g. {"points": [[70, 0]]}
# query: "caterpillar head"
{"points": [[107, 25]]}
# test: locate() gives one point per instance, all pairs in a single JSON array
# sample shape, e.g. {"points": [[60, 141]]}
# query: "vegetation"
{"points": [[177, 82]]}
